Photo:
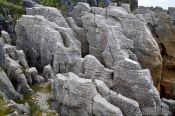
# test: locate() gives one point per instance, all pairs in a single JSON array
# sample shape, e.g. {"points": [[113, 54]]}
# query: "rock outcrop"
{"points": [[117, 38], [97, 61], [79, 97], [160, 23], [7, 87], [60, 50]]}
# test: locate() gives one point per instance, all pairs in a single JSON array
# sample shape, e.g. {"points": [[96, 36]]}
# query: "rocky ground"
{"points": [[100, 61]]}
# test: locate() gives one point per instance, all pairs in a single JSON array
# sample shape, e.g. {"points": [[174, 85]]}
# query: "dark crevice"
{"points": [[112, 75], [153, 30], [164, 51]]}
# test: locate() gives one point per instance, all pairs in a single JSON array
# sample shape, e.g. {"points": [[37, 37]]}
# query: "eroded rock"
{"points": [[78, 96], [7, 87], [60, 50]]}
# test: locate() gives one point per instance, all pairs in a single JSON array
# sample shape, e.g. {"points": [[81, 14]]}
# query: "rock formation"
{"points": [[161, 23], [99, 61]]}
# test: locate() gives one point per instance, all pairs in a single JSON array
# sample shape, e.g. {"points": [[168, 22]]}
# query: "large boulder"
{"points": [[46, 43], [78, 96]]}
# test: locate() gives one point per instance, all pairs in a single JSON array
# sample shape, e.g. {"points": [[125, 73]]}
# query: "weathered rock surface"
{"points": [[161, 25], [127, 106], [50, 13], [7, 87], [15, 73], [61, 49], [115, 38], [48, 73], [171, 104], [112, 79], [78, 96], [2, 59], [5, 37]]}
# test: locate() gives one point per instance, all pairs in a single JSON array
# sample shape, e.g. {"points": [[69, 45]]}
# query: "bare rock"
{"points": [[50, 13], [6, 37], [48, 73], [36, 78], [61, 49], [7, 87], [14, 72], [162, 28], [78, 96], [128, 106], [103, 108]]}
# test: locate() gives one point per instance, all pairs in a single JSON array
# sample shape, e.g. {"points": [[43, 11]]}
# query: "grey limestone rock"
{"points": [[79, 10], [6, 37], [2, 59], [14, 72], [48, 73], [103, 108], [7, 87], [171, 104], [77, 93], [61, 49], [50, 13], [115, 38], [136, 83], [80, 35], [93, 69], [128, 106], [36, 78], [78, 96], [120, 49]]}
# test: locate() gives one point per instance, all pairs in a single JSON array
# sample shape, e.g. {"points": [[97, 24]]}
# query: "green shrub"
{"points": [[16, 10], [52, 3], [4, 108]]}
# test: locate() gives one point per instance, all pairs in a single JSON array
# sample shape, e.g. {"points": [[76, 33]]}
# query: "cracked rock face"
{"points": [[162, 28], [60, 50], [7, 87], [98, 60], [78, 96], [115, 38]]}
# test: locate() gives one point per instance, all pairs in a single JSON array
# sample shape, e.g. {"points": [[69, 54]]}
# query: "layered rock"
{"points": [[130, 80], [117, 38], [161, 25], [78, 96], [127, 106], [120, 56], [60, 50], [7, 87]]}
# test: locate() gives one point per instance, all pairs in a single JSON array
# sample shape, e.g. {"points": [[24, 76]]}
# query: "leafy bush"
{"points": [[52, 3]]}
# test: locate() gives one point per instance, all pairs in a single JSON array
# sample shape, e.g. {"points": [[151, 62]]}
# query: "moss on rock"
{"points": [[4, 108]]}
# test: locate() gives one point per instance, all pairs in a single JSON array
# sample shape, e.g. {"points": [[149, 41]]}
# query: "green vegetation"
{"points": [[30, 99], [4, 108], [16, 9], [51, 3]]}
